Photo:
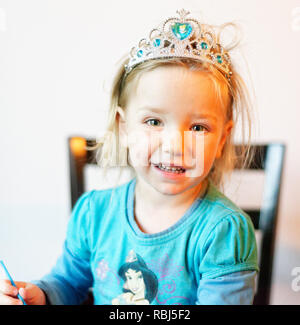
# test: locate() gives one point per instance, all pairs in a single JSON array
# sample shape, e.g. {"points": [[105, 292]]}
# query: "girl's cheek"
{"points": [[198, 169], [194, 154], [204, 157], [139, 149], [138, 158]]}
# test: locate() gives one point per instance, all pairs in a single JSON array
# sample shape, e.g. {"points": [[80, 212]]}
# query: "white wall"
{"points": [[56, 60]]}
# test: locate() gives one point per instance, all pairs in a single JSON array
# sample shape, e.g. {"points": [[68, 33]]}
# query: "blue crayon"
{"points": [[11, 280]]}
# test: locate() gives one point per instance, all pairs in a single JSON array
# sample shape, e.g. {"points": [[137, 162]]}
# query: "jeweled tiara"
{"points": [[183, 38]]}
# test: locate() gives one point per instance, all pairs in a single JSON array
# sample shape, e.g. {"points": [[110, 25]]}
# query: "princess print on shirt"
{"points": [[140, 286]]}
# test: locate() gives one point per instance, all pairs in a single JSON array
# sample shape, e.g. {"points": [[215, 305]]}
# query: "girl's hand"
{"points": [[31, 293]]}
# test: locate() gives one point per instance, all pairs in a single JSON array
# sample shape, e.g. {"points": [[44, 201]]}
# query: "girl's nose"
{"points": [[173, 142], [181, 147]]}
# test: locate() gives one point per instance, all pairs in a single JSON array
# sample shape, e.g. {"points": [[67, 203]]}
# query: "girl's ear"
{"points": [[226, 132], [120, 113], [120, 116]]}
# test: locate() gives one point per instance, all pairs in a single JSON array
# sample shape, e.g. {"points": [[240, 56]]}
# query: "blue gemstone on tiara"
{"points": [[182, 30], [219, 59], [204, 45], [157, 42], [139, 53]]}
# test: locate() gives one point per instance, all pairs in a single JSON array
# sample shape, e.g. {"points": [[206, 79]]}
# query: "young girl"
{"points": [[169, 235]]}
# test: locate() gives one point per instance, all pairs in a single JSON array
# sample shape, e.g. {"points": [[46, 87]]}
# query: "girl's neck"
{"points": [[151, 198], [155, 212]]}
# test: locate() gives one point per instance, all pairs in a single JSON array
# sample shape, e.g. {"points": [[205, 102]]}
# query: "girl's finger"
{"points": [[23, 292], [7, 288], [7, 300]]}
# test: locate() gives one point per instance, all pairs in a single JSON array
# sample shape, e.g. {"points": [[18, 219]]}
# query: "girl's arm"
{"points": [[236, 288], [69, 281], [229, 263]]}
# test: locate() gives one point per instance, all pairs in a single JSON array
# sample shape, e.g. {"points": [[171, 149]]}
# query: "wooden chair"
{"points": [[267, 157]]}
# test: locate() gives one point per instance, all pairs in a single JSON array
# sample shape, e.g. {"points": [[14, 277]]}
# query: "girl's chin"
{"points": [[170, 188]]}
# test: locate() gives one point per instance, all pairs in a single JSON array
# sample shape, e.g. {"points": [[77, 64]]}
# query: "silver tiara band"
{"points": [[180, 38]]}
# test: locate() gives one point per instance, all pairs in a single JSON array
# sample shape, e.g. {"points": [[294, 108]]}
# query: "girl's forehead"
{"points": [[211, 114], [175, 88], [173, 77]]}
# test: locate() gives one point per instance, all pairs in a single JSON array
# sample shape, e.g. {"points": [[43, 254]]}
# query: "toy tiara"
{"points": [[131, 257], [181, 38]]}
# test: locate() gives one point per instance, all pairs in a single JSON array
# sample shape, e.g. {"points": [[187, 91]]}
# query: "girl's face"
{"points": [[174, 117]]}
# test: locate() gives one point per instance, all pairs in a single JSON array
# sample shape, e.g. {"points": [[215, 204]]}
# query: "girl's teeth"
{"points": [[171, 169]]}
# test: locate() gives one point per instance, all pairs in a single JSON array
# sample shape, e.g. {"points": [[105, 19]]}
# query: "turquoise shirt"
{"points": [[212, 241]]}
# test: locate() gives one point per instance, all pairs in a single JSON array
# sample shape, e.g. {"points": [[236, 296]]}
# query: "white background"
{"points": [[56, 62]]}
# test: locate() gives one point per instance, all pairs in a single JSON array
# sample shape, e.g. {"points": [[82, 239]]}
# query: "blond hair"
{"points": [[238, 106]]}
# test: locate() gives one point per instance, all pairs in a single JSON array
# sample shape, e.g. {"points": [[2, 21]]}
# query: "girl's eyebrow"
{"points": [[153, 109], [193, 115], [204, 116]]}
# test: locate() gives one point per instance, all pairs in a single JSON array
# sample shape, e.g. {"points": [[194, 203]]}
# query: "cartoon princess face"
{"points": [[135, 282], [140, 283]]}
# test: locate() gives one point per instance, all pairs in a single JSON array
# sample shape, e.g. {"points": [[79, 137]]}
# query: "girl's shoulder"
{"points": [[217, 208], [219, 201], [224, 227], [109, 196], [94, 202]]}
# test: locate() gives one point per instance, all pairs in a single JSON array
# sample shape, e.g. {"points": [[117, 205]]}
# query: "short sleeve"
{"points": [[78, 227], [230, 247]]}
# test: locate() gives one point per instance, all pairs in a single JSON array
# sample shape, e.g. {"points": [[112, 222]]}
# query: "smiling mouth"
{"points": [[170, 169]]}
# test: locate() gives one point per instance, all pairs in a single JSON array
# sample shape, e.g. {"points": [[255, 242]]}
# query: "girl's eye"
{"points": [[155, 121], [200, 128], [197, 127]]}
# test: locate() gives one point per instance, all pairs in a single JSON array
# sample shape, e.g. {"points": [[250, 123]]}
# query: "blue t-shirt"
{"points": [[212, 247]]}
